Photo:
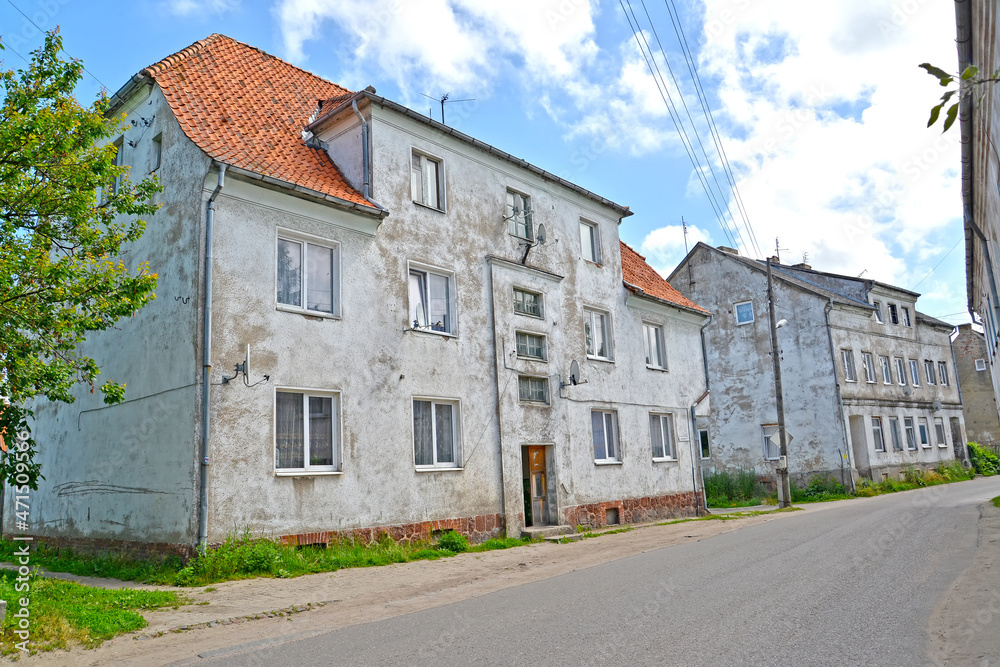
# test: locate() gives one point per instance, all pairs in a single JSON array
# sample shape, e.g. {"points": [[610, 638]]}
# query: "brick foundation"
{"points": [[476, 528], [635, 510], [128, 548]]}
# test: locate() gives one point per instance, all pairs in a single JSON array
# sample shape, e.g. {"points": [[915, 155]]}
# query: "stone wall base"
{"points": [[128, 548], [635, 510], [476, 528]]}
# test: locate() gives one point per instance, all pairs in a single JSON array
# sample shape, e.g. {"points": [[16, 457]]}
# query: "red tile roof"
{"points": [[247, 109], [636, 271]]}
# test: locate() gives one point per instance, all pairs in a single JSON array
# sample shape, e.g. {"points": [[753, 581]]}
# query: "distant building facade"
{"points": [[982, 424]]}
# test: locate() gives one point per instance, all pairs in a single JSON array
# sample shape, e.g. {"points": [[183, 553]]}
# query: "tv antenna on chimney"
{"points": [[445, 99]]}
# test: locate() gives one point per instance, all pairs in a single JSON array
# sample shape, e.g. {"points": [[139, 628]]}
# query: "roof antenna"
{"points": [[685, 226], [778, 249], [443, 99]]}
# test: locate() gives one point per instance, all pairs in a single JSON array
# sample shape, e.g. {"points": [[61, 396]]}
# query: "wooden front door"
{"points": [[537, 485]]}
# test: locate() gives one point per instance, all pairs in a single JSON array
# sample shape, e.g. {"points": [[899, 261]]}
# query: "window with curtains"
{"points": [[661, 436], [597, 332], [427, 180], [306, 432], [656, 356], [605, 434], [530, 345], [435, 433], [432, 299], [527, 302], [308, 274]]}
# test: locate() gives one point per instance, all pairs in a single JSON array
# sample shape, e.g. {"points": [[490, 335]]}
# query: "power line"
{"points": [[8, 46], [938, 264]]}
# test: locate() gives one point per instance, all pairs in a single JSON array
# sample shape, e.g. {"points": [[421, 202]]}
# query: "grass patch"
{"points": [[741, 488], [64, 613], [996, 501], [915, 479], [819, 489], [244, 556]]}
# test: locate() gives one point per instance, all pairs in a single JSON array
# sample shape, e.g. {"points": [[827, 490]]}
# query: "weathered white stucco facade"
{"points": [[869, 384], [407, 392]]}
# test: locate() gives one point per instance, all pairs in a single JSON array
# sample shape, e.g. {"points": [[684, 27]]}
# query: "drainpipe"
{"points": [[840, 398], [694, 418], [206, 368], [958, 386], [496, 384], [694, 426], [365, 157]]}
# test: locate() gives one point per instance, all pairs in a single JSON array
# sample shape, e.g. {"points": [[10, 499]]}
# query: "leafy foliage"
{"points": [[967, 81], [67, 212], [819, 488], [453, 542], [726, 488], [983, 460]]}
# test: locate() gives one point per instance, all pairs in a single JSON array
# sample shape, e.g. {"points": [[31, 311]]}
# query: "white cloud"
{"points": [[664, 247], [826, 112]]}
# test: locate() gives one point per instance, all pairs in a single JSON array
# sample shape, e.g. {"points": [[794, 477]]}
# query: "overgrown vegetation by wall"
{"points": [[741, 488], [984, 461]]}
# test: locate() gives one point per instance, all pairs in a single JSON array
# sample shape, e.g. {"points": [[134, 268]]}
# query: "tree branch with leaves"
{"points": [[67, 214]]}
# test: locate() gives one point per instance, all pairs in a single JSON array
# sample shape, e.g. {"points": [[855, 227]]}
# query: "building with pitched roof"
{"points": [[869, 383], [367, 322], [982, 422]]}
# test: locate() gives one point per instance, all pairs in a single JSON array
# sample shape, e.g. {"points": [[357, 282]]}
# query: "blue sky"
{"points": [[820, 107]]}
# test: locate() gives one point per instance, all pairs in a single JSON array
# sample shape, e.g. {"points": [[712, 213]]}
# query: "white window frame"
{"points": [[590, 242], [119, 145], [667, 436], [893, 313], [897, 437], [420, 180], [543, 346], [850, 373], [878, 435], [456, 433], [878, 312], [527, 381], [911, 434], [772, 451], [518, 214], [943, 373], [591, 317], [924, 430], [886, 365], [901, 370], [412, 317], [704, 442], [869, 363], [914, 373], [929, 372], [736, 312], [157, 145], [608, 418], [906, 316], [652, 336], [980, 365], [940, 435], [304, 241], [336, 433], [539, 298]]}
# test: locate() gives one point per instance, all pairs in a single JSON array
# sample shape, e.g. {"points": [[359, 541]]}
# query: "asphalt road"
{"points": [[851, 583]]}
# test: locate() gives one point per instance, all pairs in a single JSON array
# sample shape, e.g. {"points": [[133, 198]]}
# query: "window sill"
{"points": [[943, 446], [664, 460], [422, 330], [656, 368], [596, 265], [926, 446], [437, 469], [604, 359], [307, 473], [742, 324], [533, 404], [430, 208], [537, 360], [318, 314], [531, 315], [607, 463]]}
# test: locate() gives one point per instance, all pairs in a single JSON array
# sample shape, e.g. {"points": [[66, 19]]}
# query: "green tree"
{"points": [[66, 210], [962, 85]]}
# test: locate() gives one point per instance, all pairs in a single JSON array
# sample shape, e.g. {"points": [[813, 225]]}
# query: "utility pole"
{"points": [[684, 225], [784, 490]]}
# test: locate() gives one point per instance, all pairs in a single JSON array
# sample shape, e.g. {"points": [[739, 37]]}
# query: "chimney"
{"points": [[731, 251], [775, 259], [801, 265]]}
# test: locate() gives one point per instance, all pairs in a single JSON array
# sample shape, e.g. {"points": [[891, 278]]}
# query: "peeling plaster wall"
{"points": [[127, 472], [979, 404]]}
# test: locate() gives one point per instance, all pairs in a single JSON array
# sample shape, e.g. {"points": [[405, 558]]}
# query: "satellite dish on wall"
{"points": [[540, 236], [574, 373]]}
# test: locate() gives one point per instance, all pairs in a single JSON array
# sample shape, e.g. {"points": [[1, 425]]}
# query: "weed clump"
{"points": [[725, 488], [453, 542], [984, 461]]}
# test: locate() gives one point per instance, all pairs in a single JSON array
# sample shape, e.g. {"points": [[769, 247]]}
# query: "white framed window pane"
{"points": [[612, 436], [943, 373], [319, 278], [877, 434], [289, 435], [430, 172], [416, 178], [901, 371], [588, 242], [656, 435], [444, 426], [289, 272], [597, 425], [418, 299], [744, 312], [897, 445], [939, 431], [438, 302], [914, 374], [423, 433], [320, 431]]}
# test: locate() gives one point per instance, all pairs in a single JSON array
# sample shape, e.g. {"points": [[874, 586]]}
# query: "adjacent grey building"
{"points": [[978, 401], [869, 383]]}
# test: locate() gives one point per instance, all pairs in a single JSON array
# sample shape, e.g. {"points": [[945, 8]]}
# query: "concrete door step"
{"points": [[542, 532], [569, 537]]}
